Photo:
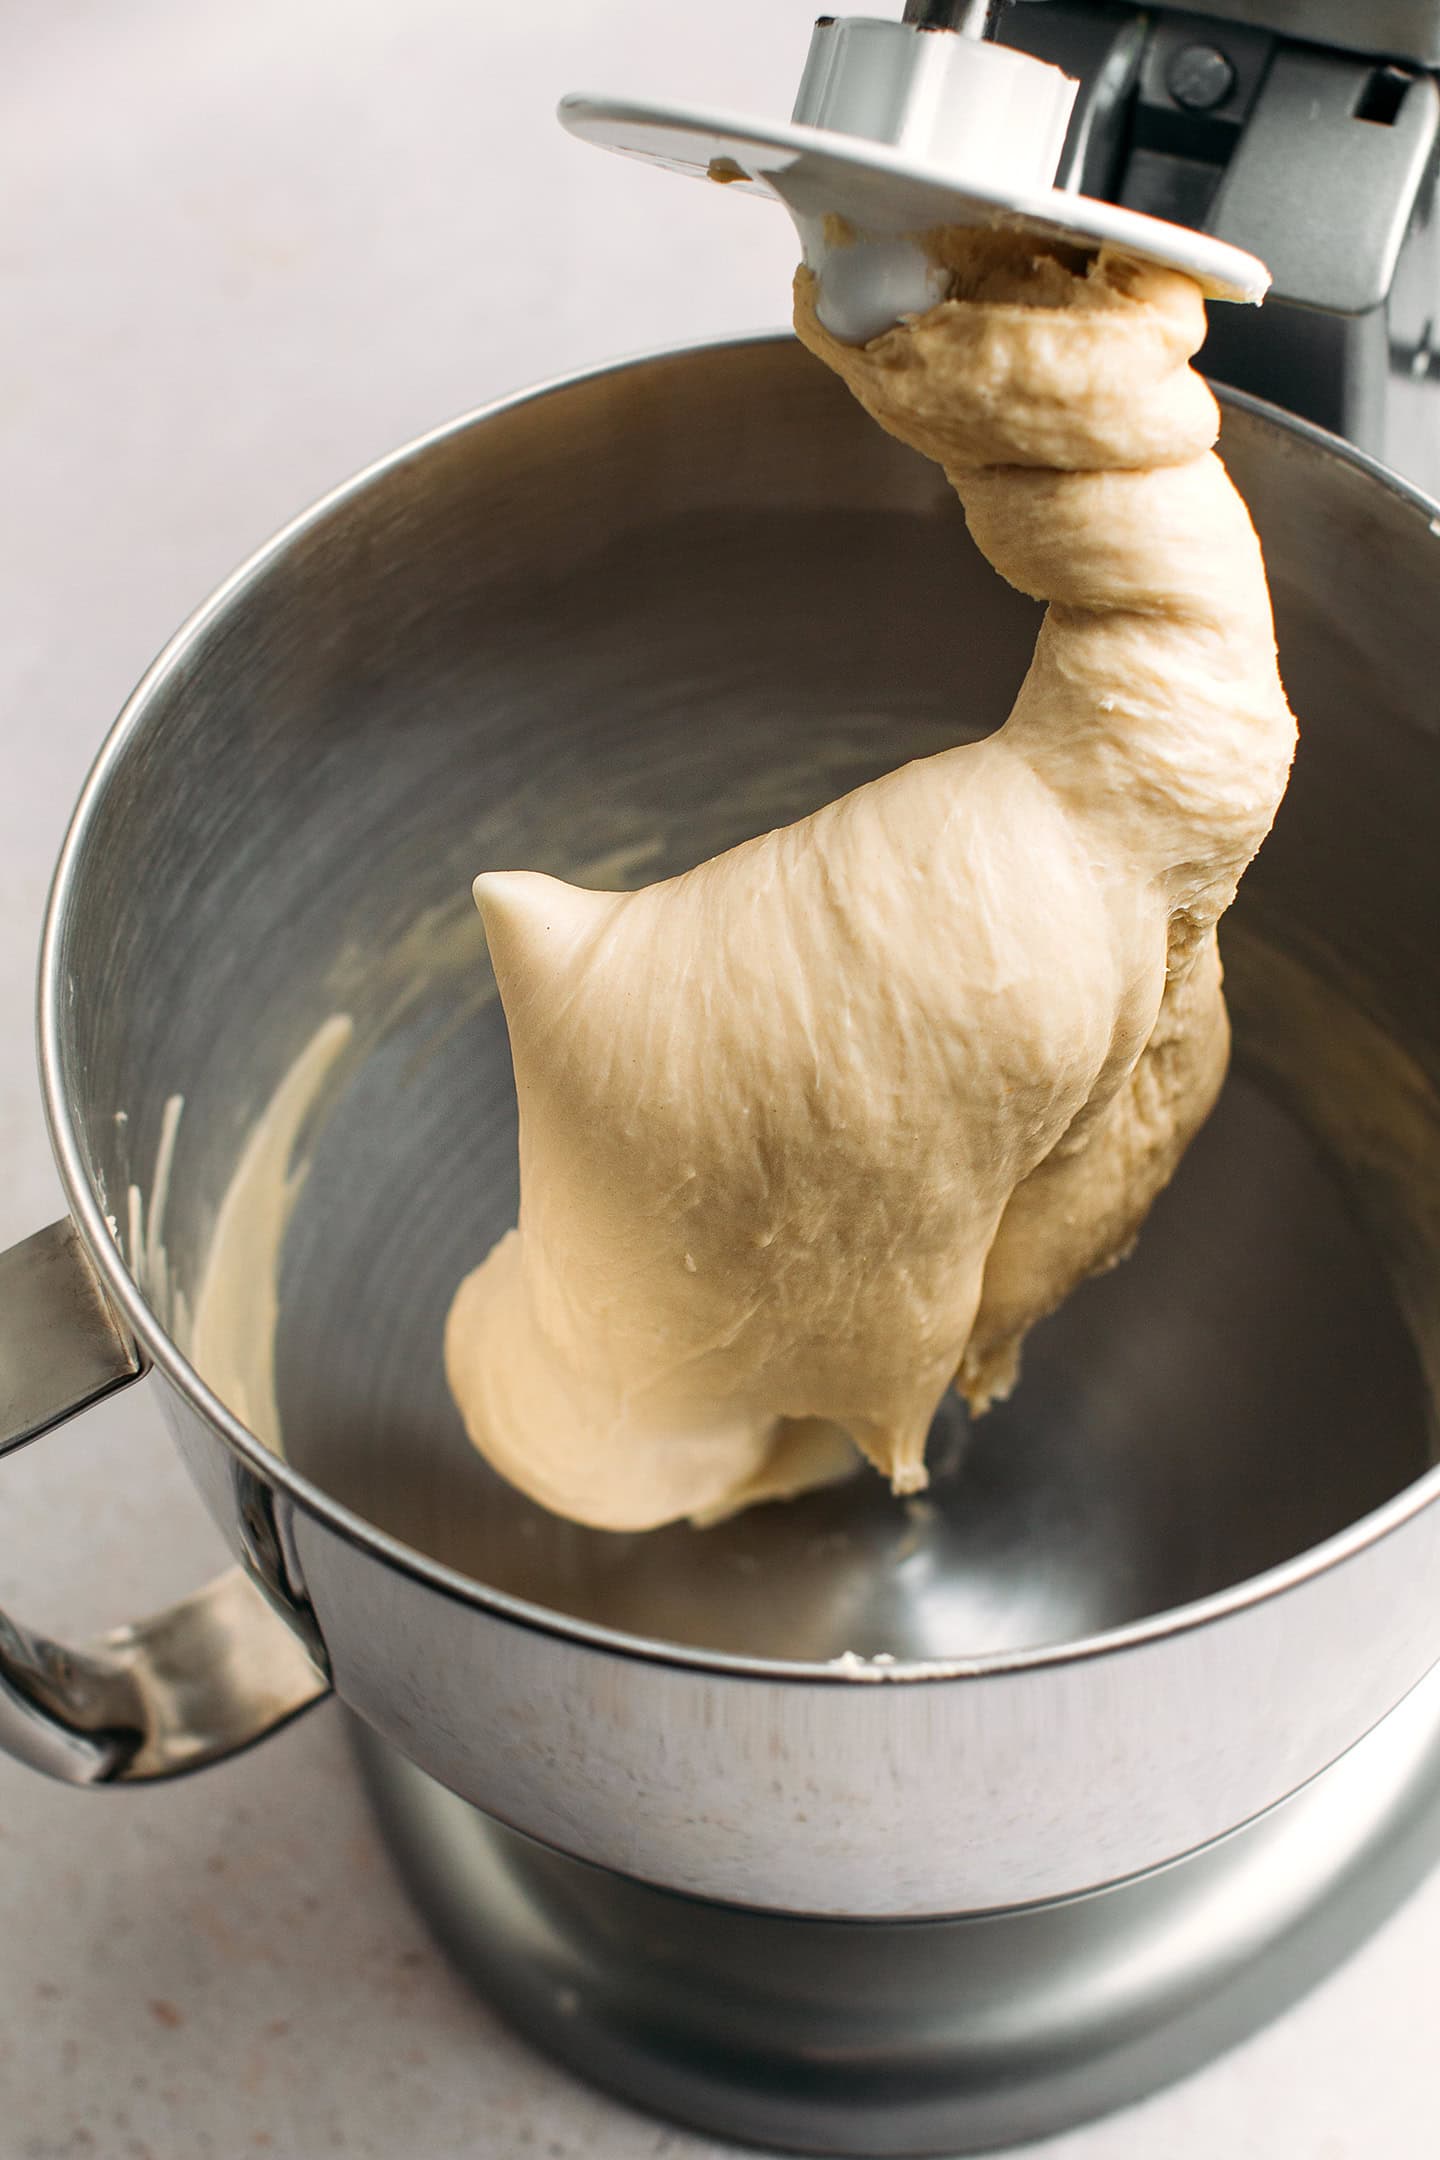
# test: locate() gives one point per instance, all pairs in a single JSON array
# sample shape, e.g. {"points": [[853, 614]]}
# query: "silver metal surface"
{"points": [[1326, 198], [1390, 29], [944, 2036], [171, 1694], [1320, 155], [605, 630], [61, 1346]]}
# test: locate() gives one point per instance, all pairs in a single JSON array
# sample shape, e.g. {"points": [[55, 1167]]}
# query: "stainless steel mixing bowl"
{"points": [[605, 629]]}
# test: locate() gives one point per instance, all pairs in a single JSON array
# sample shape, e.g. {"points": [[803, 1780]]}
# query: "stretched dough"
{"points": [[834, 1118]]}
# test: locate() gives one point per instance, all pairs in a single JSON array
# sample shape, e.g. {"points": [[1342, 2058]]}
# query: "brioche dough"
{"points": [[833, 1119]]}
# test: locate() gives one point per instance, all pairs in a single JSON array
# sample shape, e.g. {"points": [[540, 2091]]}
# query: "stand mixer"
{"points": [[1280, 147]]}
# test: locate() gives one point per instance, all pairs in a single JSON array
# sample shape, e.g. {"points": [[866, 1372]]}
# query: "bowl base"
{"points": [[953, 2035]]}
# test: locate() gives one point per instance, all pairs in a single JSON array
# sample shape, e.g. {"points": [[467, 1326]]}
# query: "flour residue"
{"points": [[232, 1337]]}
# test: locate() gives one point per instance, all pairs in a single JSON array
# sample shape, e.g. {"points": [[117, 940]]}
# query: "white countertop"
{"points": [[243, 249]]}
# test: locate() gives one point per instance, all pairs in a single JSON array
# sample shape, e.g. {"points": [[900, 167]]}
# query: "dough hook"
{"points": [[900, 128]]}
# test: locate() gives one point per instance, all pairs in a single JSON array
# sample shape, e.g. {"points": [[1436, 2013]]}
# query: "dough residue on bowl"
{"points": [[232, 1334]]}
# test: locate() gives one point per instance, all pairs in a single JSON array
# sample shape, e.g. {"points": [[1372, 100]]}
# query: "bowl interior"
{"points": [[605, 634]]}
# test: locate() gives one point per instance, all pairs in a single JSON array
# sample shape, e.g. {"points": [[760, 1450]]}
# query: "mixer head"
{"points": [[899, 129]]}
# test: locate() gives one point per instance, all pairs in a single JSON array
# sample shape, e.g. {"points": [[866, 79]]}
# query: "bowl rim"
{"points": [[380, 1545]]}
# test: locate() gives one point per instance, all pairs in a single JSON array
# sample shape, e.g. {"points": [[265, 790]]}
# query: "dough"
{"points": [[833, 1119]]}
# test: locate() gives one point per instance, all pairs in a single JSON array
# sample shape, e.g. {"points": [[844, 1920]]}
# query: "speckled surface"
{"points": [[242, 250]]}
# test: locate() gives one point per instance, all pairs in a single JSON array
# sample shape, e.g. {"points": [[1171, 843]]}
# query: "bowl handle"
{"points": [[186, 1687]]}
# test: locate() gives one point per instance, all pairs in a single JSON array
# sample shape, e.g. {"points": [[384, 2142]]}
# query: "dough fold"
{"points": [[831, 1120]]}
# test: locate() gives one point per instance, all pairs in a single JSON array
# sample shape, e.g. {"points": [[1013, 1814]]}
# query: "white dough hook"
{"points": [[900, 128]]}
